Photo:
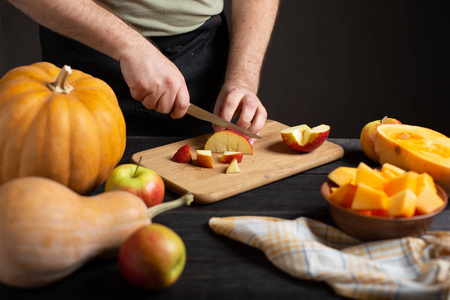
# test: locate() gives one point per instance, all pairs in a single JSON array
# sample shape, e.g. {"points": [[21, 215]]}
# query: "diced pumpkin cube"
{"points": [[369, 176], [425, 180], [343, 195], [367, 197], [342, 175], [407, 180], [392, 169], [403, 204], [388, 174], [428, 201]]}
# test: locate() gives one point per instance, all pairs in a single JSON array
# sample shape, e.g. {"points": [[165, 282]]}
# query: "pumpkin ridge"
{"points": [[30, 159], [9, 171], [89, 173], [104, 114]]}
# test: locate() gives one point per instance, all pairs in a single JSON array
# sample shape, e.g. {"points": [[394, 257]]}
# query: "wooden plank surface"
{"points": [[272, 160]]}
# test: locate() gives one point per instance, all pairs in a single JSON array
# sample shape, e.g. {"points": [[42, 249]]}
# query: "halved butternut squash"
{"points": [[415, 148]]}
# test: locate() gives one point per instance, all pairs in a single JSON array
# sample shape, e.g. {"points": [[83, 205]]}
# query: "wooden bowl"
{"points": [[369, 228]]}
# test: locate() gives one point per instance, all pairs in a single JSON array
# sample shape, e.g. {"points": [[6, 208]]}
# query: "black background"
{"points": [[343, 63]]}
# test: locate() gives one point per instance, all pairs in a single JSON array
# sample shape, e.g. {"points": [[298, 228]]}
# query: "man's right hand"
{"points": [[155, 81]]}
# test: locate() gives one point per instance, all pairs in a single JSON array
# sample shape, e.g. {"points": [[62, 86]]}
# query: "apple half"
{"points": [[227, 140], [204, 158], [233, 167], [302, 138], [228, 156]]}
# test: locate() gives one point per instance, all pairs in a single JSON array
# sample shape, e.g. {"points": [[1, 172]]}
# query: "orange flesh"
{"points": [[420, 144]]}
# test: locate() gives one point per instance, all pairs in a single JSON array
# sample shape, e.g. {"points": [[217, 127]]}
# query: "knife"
{"points": [[204, 115]]}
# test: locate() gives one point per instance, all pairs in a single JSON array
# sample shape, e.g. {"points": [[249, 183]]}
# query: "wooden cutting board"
{"points": [[272, 160]]}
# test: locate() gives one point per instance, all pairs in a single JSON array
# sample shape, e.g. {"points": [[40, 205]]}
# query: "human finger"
{"points": [[181, 103]]}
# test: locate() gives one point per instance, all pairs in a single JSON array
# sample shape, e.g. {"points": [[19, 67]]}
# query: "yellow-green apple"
{"points": [[153, 257], [204, 158], [183, 155], [369, 133], [233, 167], [302, 138], [228, 156], [227, 140], [136, 179]]}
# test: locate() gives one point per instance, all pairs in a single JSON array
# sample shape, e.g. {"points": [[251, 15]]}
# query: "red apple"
{"points": [[228, 156], [153, 257], [227, 140], [138, 180], [183, 155], [233, 167], [302, 138], [204, 158], [369, 133]]}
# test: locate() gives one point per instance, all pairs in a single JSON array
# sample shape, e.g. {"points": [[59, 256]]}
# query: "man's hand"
{"points": [[156, 81], [252, 23], [236, 100]]}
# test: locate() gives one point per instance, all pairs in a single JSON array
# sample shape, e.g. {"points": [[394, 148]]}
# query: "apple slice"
{"points": [[228, 156], [183, 155], [233, 167], [302, 138], [227, 140], [204, 158]]}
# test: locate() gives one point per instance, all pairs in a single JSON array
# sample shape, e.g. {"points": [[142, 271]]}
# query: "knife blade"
{"points": [[205, 115]]}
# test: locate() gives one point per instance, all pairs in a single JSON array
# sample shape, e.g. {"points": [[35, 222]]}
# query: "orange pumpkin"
{"points": [[60, 124], [415, 148]]}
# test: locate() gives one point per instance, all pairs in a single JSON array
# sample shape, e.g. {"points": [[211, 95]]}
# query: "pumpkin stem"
{"points": [[186, 199], [60, 84]]}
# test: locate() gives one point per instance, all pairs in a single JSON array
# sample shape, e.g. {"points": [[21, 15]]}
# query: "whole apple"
{"points": [[369, 133], [141, 181], [153, 257]]}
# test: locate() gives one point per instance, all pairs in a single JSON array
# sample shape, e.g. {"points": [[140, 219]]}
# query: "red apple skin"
{"points": [[183, 155], [313, 145], [250, 140], [144, 183], [227, 158], [152, 258], [369, 134]]}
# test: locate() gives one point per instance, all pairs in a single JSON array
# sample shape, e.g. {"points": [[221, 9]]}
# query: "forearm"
{"points": [[252, 23], [84, 21]]}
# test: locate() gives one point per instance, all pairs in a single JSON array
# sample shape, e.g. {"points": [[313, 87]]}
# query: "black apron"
{"points": [[200, 55]]}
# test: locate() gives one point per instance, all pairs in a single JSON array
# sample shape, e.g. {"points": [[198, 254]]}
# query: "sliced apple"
{"points": [[233, 167], [227, 140], [228, 156], [183, 155], [302, 138], [204, 158]]}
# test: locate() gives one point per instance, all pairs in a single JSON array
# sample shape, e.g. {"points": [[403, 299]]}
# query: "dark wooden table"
{"points": [[218, 267]]}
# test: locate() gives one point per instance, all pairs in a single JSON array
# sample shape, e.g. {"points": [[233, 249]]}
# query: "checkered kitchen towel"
{"points": [[406, 268]]}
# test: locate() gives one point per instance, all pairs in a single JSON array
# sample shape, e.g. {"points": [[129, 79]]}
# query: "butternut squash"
{"points": [[415, 148], [47, 231]]}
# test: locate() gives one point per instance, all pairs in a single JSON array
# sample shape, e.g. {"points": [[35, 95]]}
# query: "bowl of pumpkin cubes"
{"points": [[375, 204]]}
